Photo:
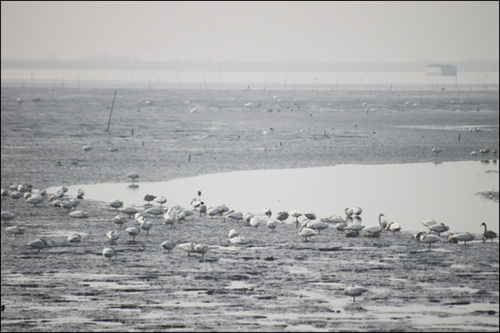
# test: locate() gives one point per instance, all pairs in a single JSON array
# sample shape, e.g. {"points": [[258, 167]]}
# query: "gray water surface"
{"points": [[405, 193]]}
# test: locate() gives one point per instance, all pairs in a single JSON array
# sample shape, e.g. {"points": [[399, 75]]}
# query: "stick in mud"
{"points": [[111, 111]]}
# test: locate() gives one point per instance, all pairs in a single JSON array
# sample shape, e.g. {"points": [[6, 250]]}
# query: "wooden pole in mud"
{"points": [[110, 112]]}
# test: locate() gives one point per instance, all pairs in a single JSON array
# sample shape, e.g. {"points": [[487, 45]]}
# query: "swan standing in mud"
{"points": [[108, 252], [394, 227], [428, 238], [192, 248], [354, 291], [113, 235], [373, 230], [295, 213], [464, 237], [38, 244], [307, 232], [116, 204], [146, 225], [438, 228], [133, 231], [488, 234], [16, 230], [282, 216], [272, 223], [74, 238], [167, 245]]}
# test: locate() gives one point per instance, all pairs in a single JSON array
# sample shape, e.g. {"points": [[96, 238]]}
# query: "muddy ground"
{"points": [[275, 282]]}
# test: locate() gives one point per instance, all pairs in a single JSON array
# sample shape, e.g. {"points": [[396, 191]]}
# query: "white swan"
{"points": [[349, 211], [429, 238], [187, 247], [438, 228], [149, 198], [116, 204], [488, 234], [307, 232], [310, 216], [354, 227], [318, 225], [6, 215], [133, 175], [16, 230], [354, 291], [357, 210], [272, 223], [74, 238], [169, 219], [394, 227], [79, 214], [373, 230], [233, 233], [295, 213], [235, 215], [238, 240], [118, 219], [146, 225], [267, 211], [255, 222], [38, 244], [80, 193], [154, 211], [34, 199], [282, 216], [108, 252], [133, 231], [113, 235], [340, 226], [130, 211], [428, 223], [161, 200], [464, 237], [167, 245], [201, 248]]}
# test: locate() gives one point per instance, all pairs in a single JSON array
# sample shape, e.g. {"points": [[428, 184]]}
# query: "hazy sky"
{"points": [[252, 31]]}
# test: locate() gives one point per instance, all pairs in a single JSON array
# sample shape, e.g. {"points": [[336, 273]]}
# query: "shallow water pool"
{"points": [[405, 193]]}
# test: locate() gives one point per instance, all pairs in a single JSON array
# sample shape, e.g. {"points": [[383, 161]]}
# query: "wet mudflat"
{"points": [[275, 282]]}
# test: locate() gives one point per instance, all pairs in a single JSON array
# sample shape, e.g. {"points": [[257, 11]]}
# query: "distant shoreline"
{"points": [[292, 66]]}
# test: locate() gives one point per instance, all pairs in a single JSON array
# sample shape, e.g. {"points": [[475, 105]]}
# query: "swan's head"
{"points": [[483, 224]]}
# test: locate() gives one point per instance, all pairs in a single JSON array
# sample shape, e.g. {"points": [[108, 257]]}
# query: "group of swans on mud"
{"points": [[309, 227]]}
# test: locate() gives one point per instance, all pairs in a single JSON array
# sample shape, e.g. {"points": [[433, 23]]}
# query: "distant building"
{"points": [[441, 70]]}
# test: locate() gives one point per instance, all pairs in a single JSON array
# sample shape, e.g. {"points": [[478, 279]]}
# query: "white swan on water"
{"points": [[133, 175], [354, 291], [488, 234]]}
